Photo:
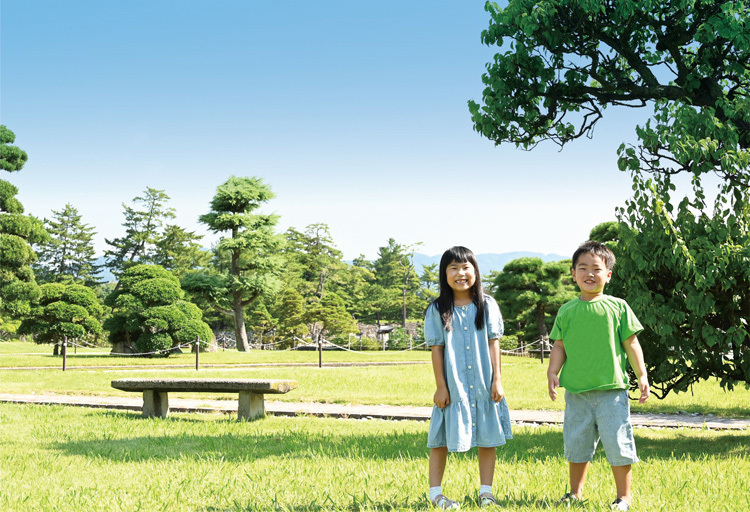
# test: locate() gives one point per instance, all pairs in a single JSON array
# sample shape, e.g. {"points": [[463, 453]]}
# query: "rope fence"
{"points": [[297, 344]]}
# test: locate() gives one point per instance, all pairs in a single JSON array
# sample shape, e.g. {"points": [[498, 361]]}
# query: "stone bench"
{"points": [[251, 391]]}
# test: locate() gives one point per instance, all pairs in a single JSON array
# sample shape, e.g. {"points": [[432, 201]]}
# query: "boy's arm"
{"points": [[635, 356], [442, 396], [557, 357], [497, 391]]}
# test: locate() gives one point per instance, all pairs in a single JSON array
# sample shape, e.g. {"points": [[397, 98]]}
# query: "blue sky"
{"points": [[354, 113]]}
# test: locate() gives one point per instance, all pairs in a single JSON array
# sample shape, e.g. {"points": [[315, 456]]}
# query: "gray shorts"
{"points": [[594, 415]]}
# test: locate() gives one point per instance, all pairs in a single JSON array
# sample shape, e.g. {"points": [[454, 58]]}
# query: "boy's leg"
{"points": [[438, 457], [578, 477], [623, 477], [486, 465]]}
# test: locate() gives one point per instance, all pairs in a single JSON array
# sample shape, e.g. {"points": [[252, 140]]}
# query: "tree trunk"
{"points": [[239, 323], [543, 332]]}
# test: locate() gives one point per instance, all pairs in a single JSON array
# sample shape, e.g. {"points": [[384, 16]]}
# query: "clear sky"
{"points": [[355, 113]]}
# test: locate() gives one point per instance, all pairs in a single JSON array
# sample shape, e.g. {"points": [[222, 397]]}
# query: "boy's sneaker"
{"points": [[620, 504], [444, 503], [487, 499]]}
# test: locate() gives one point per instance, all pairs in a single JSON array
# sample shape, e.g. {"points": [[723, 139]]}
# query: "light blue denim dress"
{"points": [[472, 418]]}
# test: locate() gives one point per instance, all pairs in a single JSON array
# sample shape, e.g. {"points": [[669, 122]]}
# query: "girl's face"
{"points": [[591, 274], [461, 277]]}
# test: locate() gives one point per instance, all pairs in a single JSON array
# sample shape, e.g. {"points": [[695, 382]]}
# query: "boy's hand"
{"points": [[497, 391], [644, 387], [442, 398], [553, 382]]}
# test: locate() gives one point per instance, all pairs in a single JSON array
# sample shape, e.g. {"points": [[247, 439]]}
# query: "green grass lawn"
{"points": [[55, 458], [524, 379]]}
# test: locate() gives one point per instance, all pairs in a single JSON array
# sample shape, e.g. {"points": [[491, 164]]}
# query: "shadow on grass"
{"points": [[294, 441]]}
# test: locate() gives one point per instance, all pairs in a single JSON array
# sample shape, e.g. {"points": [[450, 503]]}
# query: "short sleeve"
{"points": [[629, 323], [434, 331], [493, 319], [557, 327]]}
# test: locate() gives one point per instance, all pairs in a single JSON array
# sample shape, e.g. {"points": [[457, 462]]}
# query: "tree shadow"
{"points": [[530, 444]]}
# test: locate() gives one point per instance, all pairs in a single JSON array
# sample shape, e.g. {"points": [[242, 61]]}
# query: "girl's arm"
{"points": [[442, 396], [557, 357], [635, 357], [497, 391]]}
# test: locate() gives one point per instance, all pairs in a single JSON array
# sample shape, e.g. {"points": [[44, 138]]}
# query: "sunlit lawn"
{"points": [[55, 458], [413, 384]]}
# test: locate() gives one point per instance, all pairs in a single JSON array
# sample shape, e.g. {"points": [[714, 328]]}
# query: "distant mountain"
{"points": [[487, 262], [490, 261]]}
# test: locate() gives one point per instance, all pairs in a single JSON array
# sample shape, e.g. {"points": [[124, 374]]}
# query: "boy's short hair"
{"points": [[598, 249]]}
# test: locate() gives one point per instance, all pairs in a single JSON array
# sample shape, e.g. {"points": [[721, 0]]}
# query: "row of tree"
{"points": [[167, 284]]}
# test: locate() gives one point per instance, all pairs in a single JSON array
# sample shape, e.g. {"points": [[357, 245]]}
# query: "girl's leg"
{"points": [[486, 465], [438, 457], [623, 477], [578, 477]]}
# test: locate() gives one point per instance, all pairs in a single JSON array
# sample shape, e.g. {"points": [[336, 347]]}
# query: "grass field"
{"points": [[69, 459], [524, 379], [55, 458]]}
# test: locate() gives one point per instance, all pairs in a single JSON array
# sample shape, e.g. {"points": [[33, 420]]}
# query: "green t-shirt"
{"points": [[593, 333]]}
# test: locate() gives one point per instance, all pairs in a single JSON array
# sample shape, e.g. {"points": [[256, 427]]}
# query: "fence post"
{"points": [[65, 352], [197, 351], [320, 351]]}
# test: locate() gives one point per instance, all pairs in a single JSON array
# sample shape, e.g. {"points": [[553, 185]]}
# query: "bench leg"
{"points": [[250, 406], [155, 404]]}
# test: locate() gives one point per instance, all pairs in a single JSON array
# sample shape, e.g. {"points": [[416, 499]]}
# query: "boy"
{"points": [[595, 337]]}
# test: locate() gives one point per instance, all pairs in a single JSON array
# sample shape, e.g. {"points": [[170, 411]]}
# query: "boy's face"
{"points": [[591, 274]]}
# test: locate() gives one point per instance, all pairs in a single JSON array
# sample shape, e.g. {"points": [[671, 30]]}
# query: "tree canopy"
{"points": [[684, 260], [251, 245], [149, 313], [17, 232]]}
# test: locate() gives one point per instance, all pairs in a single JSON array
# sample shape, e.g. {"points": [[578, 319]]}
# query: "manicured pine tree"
{"points": [[17, 232]]}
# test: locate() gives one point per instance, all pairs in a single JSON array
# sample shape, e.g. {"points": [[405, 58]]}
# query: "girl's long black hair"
{"points": [[444, 302]]}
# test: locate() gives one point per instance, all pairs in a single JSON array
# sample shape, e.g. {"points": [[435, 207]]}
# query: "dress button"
{"points": [[473, 405], [471, 387], [473, 424], [466, 328], [469, 367], [467, 347]]}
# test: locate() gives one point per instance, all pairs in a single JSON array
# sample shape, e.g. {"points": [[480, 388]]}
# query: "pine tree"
{"points": [[17, 231], [69, 254], [143, 228]]}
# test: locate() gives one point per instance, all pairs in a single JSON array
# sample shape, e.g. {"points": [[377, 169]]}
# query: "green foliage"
{"points": [[71, 311], [178, 250], [561, 63], [682, 266], [252, 249], [399, 339], [12, 158], [17, 232], [686, 276], [69, 253], [143, 228], [530, 292], [149, 312]]}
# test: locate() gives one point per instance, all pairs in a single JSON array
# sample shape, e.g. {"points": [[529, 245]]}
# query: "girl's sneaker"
{"points": [[568, 497], [620, 504], [444, 503], [487, 499]]}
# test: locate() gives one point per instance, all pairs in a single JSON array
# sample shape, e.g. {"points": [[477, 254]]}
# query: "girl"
{"points": [[463, 326]]}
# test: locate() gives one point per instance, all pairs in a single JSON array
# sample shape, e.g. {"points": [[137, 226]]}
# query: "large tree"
{"points": [[684, 259], [530, 292], [17, 232], [313, 256], [150, 314], [63, 311], [179, 251], [143, 225], [69, 254], [251, 244]]}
